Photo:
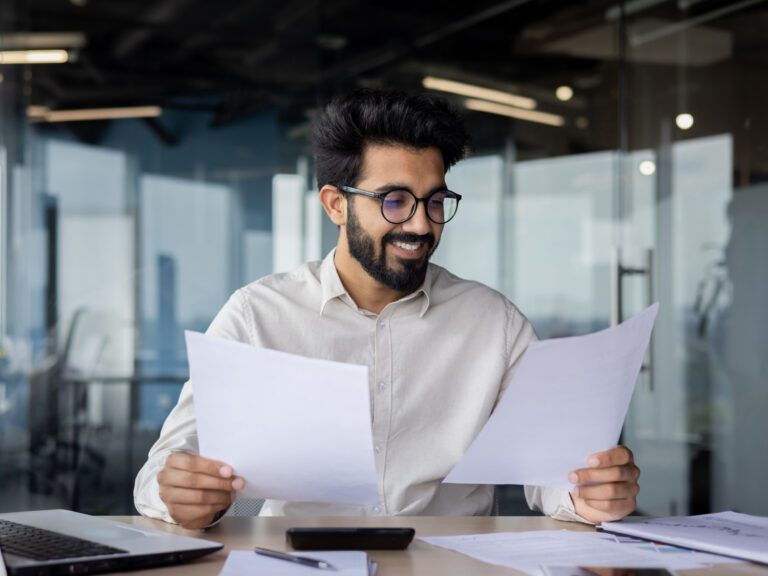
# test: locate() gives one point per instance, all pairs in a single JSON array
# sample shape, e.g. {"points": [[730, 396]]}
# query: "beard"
{"points": [[411, 272]]}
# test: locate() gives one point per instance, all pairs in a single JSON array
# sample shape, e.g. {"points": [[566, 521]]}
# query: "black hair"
{"points": [[369, 116]]}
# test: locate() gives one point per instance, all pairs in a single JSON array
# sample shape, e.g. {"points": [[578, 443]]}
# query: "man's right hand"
{"points": [[195, 489]]}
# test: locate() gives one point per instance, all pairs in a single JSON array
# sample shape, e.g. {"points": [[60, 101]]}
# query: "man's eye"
{"points": [[396, 199]]}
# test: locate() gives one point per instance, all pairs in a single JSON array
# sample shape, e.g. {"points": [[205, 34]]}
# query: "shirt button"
{"points": [[381, 323], [376, 509], [377, 449], [382, 385]]}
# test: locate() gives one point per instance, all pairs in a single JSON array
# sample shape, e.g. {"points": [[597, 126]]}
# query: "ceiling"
{"points": [[236, 57]]}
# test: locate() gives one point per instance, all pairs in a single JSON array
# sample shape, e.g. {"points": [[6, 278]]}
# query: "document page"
{"points": [[345, 563], [728, 533], [529, 551], [294, 428], [567, 400]]}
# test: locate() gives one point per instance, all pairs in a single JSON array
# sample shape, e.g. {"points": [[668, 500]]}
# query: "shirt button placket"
{"points": [[382, 404]]}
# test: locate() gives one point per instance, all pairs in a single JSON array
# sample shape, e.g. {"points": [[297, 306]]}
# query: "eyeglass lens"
{"points": [[398, 205]]}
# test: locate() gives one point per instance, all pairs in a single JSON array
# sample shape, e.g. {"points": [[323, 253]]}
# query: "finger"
{"points": [[610, 491], [192, 516], [615, 457], [627, 473], [185, 479], [195, 463], [174, 495], [614, 509]]}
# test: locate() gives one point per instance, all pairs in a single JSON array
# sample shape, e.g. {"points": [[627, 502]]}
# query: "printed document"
{"points": [[529, 551], [567, 400], [346, 563], [294, 428], [728, 533]]}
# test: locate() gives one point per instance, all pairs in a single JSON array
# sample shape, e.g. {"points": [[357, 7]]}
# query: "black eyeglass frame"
{"points": [[380, 198]]}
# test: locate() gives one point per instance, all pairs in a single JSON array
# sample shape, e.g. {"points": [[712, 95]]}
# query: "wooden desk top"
{"points": [[243, 533]]}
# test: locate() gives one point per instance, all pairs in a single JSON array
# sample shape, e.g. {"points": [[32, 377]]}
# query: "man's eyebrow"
{"points": [[389, 187]]}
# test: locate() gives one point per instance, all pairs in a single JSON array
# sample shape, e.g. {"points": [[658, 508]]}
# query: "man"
{"points": [[440, 350]]}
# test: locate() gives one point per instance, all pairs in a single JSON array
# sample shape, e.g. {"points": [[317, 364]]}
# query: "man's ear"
{"points": [[334, 203]]}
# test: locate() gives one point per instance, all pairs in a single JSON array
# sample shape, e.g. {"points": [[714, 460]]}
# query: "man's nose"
{"points": [[419, 223]]}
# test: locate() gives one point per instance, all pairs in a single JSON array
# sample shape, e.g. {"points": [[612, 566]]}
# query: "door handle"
{"points": [[618, 273]]}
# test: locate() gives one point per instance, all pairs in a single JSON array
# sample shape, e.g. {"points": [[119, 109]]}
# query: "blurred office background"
{"points": [[620, 157]]}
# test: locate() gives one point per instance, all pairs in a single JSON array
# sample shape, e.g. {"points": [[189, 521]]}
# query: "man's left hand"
{"points": [[607, 490]]}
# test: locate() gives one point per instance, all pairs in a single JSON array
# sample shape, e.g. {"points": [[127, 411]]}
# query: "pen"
{"points": [[298, 559]]}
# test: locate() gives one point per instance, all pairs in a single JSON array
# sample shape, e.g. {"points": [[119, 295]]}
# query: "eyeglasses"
{"points": [[398, 206]]}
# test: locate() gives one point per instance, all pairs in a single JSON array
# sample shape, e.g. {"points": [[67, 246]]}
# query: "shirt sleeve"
{"points": [[552, 502], [179, 432]]}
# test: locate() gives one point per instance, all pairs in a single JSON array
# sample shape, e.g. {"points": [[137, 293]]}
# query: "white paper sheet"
{"points": [[567, 400], [248, 563], [528, 551], [729, 533], [294, 428]]}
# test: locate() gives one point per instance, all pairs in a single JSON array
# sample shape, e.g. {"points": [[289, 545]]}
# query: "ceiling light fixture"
{"points": [[684, 121], [443, 85], [529, 115], [33, 56], [42, 40], [647, 167], [564, 93], [44, 114]]}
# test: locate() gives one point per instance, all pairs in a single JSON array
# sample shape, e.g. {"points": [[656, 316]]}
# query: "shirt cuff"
{"points": [[553, 502]]}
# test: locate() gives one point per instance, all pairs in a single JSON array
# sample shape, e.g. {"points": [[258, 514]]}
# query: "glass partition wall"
{"points": [[625, 164]]}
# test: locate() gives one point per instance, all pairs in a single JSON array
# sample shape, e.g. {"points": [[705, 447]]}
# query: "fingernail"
{"points": [[593, 461], [238, 483], [575, 491], [225, 471], [573, 478]]}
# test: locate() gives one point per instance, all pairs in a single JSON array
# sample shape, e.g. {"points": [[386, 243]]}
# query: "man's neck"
{"points": [[368, 293]]}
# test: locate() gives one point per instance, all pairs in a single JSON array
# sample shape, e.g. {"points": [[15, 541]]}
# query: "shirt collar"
{"points": [[331, 286]]}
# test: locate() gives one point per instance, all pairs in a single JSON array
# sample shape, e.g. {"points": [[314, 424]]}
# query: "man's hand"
{"points": [[195, 489], [607, 490]]}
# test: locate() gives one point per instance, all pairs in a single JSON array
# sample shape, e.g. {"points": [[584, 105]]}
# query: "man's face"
{"points": [[395, 255]]}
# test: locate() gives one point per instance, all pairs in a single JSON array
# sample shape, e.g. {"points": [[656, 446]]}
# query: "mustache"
{"points": [[428, 239]]}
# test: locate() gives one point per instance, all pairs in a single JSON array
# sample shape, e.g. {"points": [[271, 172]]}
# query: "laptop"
{"points": [[51, 542]]}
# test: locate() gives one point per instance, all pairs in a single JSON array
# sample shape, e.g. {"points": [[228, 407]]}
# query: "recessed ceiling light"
{"points": [[564, 93], [684, 121], [647, 167]]}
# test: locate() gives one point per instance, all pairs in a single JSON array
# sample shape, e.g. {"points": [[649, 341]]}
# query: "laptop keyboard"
{"points": [[39, 544]]}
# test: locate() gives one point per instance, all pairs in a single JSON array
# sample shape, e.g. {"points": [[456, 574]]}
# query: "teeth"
{"points": [[405, 246]]}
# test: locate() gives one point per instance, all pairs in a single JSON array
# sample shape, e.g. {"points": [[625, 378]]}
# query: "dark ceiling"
{"points": [[236, 57]]}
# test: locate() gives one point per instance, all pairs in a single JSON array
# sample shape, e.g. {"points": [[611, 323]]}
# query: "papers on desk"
{"points": [[729, 533], [567, 400], [294, 428], [347, 563], [529, 551]]}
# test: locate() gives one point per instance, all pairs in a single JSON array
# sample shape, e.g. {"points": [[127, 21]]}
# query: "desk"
{"points": [[242, 533]]}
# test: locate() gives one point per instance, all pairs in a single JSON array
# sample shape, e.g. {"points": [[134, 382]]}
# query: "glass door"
{"points": [[693, 222]]}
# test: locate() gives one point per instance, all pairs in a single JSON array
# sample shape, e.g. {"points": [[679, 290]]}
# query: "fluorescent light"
{"points": [[684, 121], [529, 115], [42, 40], [443, 85], [44, 114], [33, 56], [564, 93]]}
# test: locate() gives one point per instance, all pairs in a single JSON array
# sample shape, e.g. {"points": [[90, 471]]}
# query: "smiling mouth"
{"points": [[409, 246]]}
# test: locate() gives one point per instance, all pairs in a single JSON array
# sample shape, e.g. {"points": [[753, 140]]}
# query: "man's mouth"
{"points": [[411, 247]]}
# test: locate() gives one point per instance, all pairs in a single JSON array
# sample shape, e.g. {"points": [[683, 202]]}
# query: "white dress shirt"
{"points": [[438, 359]]}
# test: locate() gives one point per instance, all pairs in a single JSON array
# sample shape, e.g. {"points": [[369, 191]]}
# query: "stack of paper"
{"points": [[346, 563], [727, 533]]}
